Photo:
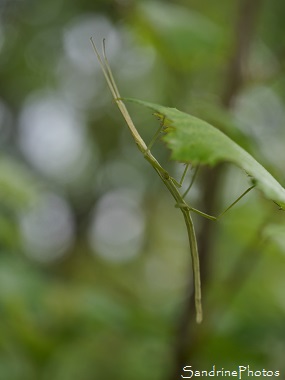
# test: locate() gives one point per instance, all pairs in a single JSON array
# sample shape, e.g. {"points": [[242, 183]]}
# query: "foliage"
{"points": [[194, 141], [95, 274]]}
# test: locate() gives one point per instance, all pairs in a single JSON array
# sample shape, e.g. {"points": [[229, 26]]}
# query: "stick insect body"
{"points": [[171, 184]]}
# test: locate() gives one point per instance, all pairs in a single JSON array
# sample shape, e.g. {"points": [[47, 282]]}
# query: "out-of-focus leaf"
{"points": [[183, 37], [193, 140], [276, 233], [18, 188], [17, 185]]}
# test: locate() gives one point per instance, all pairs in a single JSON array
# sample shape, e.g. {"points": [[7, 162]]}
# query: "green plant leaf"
{"points": [[194, 141]]}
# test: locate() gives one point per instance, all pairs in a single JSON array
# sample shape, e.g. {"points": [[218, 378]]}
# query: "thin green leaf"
{"points": [[193, 140]]}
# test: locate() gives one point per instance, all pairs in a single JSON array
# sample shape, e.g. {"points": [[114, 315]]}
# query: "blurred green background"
{"points": [[95, 270]]}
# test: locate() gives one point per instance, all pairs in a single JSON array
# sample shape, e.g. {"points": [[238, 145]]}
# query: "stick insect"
{"points": [[171, 184]]}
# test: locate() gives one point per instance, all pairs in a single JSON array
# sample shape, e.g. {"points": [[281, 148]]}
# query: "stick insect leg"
{"points": [[188, 188], [201, 213], [191, 183], [211, 217], [184, 174], [147, 151], [236, 201], [157, 133]]}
